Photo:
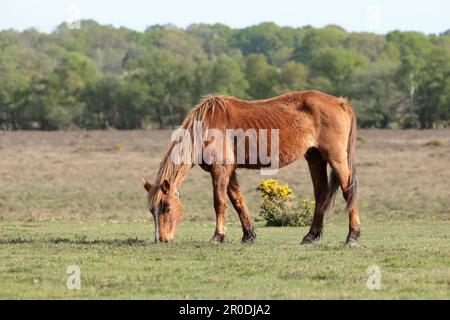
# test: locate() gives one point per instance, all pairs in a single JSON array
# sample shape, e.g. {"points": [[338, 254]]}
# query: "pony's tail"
{"points": [[353, 183], [333, 185]]}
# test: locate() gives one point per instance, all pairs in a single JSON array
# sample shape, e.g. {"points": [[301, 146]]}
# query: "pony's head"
{"points": [[165, 205]]}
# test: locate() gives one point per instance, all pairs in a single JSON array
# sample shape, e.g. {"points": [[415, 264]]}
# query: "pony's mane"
{"points": [[175, 173], [343, 102]]}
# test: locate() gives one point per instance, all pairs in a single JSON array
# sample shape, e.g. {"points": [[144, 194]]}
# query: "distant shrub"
{"points": [[361, 138], [118, 146], [409, 121], [279, 208], [436, 143]]}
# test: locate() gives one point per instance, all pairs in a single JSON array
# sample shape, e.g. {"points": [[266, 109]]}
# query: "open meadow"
{"points": [[75, 198]]}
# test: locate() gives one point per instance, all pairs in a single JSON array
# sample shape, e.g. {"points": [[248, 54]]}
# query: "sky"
{"points": [[379, 16]]}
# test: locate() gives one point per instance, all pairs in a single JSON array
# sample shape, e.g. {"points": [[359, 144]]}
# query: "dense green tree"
{"points": [[433, 89], [13, 93], [294, 77], [376, 95], [100, 76], [413, 48], [337, 65], [366, 44], [318, 39], [228, 78], [19, 68], [167, 81], [55, 99], [215, 39], [274, 42], [261, 75]]}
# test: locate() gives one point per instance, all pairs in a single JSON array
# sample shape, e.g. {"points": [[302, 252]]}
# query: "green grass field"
{"points": [[118, 260], [75, 198]]}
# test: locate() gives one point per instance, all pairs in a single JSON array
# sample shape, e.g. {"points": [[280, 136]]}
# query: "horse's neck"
{"points": [[176, 173], [179, 174]]}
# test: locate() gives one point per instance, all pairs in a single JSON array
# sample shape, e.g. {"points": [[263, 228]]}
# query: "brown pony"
{"points": [[310, 123]]}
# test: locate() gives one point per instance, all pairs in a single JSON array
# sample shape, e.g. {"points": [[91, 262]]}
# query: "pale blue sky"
{"points": [[381, 16]]}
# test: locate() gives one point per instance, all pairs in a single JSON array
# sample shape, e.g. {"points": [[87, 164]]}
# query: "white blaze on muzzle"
{"points": [[175, 193]]}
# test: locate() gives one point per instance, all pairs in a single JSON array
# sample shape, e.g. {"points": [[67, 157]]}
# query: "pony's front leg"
{"points": [[237, 200], [220, 177]]}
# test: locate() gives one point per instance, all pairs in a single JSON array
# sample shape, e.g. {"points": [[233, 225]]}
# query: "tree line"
{"points": [[99, 76]]}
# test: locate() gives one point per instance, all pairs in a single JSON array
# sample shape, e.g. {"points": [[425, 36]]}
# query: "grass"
{"points": [[75, 198], [117, 260]]}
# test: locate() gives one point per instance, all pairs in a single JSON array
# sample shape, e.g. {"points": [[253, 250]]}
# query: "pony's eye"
{"points": [[165, 210]]}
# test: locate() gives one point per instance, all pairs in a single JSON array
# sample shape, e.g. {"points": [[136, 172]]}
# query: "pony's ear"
{"points": [[165, 187], [147, 185]]}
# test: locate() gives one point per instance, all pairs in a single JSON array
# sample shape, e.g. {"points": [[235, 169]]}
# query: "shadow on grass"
{"points": [[78, 241]]}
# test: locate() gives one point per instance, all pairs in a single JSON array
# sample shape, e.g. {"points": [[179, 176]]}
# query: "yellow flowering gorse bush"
{"points": [[271, 189], [279, 208]]}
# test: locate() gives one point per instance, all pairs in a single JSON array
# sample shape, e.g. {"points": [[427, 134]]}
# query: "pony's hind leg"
{"points": [[318, 170], [237, 199], [343, 173]]}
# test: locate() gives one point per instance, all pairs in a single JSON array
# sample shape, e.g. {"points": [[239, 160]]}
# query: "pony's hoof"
{"points": [[249, 236], [310, 238], [351, 242], [218, 238], [352, 238], [307, 241]]}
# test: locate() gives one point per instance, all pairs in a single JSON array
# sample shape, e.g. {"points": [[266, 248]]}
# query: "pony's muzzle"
{"points": [[158, 241]]}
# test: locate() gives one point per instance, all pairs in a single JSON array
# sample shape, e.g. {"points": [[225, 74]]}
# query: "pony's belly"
{"points": [[258, 166], [288, 152]]}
